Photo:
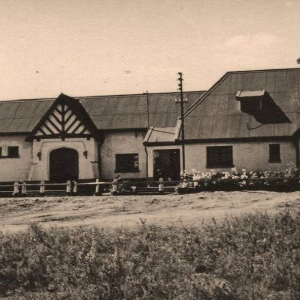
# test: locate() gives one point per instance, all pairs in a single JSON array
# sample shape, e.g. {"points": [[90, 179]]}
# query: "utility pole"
{"points": [[180, 79]]}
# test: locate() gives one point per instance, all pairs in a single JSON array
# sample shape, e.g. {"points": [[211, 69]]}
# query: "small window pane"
{"points": [[274, 153], [127, 163], [13, 151], [219, 157]]}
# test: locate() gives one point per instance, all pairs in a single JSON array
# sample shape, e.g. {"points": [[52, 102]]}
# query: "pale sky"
{"points": [[102, 47]]}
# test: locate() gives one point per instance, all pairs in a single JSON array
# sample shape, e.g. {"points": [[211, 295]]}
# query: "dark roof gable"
{"points": [[217, 114], [66, 117]]}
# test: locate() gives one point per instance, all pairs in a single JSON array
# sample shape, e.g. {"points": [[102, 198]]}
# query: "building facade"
{"points": [[248, 119]]}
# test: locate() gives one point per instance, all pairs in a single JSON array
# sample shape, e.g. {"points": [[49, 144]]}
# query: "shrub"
{"points": [[250, 257], [286, 180]]}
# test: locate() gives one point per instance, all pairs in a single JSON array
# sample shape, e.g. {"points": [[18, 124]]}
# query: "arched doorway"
{"points": [[63, 165]]}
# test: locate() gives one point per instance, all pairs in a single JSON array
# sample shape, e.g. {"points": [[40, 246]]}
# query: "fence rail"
{"points": [[114, 187], [97, 187]]}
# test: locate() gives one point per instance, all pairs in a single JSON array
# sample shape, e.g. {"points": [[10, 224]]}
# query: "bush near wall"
{"points": [[286, 180]]}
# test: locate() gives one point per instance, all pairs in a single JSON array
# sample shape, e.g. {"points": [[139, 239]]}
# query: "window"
{"points": [[274, 153], [9, 152], [219, 157], [13, 151], [127, 163]]}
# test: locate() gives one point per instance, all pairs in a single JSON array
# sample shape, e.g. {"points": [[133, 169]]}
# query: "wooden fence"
{"points": [[96, 188]]}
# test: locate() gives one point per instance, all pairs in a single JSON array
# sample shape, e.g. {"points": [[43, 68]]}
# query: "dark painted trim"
{"points": [[162, 144], [229, 140], [58, 136], [143, 129], [13, 133], [246, 140]]}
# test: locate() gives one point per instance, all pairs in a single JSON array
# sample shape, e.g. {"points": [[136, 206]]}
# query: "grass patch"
{"points": [[250, 257]]}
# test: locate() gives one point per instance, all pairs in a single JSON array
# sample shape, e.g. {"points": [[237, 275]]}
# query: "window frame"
{"points": [[220, 160], [9, 152], [274, 154], [133, 158]]}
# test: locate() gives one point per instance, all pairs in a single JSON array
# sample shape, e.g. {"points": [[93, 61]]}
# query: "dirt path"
{"points": [[114, 211]]}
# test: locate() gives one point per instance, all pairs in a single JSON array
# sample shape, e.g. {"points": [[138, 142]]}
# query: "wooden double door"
{"points": [[63, 165]]}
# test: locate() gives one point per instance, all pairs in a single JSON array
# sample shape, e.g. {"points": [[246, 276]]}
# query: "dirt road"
{"points": [[114, 211]]}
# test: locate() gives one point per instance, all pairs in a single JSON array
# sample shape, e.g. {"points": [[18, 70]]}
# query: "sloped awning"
{"points": [[158, 135]]}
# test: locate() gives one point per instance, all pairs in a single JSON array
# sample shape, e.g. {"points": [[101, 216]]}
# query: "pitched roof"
{"points": [[115, 112], [130, 111], [21, 116], [217, 114]]}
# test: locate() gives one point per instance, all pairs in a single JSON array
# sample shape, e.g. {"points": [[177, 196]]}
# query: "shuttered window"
{"points": [[274, 153], [219, 157]]}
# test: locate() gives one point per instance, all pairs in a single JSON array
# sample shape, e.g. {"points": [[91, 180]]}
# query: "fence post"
{"points": [[16, 188], [68, 188], [42, 188], [161, 185], [114, 186], [97, 189], [74, 187], [24, 188]]}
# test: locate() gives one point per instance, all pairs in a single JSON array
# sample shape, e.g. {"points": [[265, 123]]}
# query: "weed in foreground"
{"points": [[250, 257]]}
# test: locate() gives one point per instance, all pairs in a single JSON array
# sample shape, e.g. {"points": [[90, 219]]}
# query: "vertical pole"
{"points": [[97, 189], [161, 185], [182, 120], [24, 189], [148, 126], [68, 188], [42, 188], [114, 187], [16, 188], [75, 187]]}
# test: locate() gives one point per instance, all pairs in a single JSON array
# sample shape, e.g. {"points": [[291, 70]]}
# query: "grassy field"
{"points": [[234, 256]]}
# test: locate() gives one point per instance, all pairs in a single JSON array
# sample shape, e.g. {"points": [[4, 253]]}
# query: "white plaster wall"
{"points": [[13, 169], [122, 143], [87, 166], [251, 156]]}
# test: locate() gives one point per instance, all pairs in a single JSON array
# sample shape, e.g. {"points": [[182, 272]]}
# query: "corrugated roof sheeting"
{"points": [[229, 122], [107, 112], [22, 116], [130, 111]]}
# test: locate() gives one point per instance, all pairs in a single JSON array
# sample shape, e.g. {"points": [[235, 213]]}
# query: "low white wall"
{"points": [[251, 156], [122, 143], [12, 169]]}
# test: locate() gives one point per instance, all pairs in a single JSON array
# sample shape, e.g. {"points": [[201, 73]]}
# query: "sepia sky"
{"points": [[100, 47]]}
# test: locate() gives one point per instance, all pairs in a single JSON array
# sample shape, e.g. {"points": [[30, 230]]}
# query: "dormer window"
{"points": [[251, 101], [261, 106]]}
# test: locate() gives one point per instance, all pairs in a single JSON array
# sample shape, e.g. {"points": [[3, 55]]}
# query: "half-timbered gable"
{"points": [[66, 118]]}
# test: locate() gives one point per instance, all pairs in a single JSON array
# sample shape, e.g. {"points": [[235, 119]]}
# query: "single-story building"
{"points": [[248, 119], [84, 137]]}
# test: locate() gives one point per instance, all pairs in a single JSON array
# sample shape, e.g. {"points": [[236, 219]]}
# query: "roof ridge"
{"points": [[97, 96], [140, 94], [26, 100], [203, 97], [263, 70]]}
